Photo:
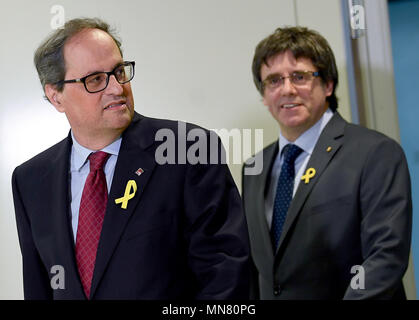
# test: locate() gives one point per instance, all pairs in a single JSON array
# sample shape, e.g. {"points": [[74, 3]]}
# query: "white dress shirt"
{"points": [[306, 141]]}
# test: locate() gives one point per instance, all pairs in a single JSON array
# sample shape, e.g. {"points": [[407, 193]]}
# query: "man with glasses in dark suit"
{"points": [[101, 208], [330, 216]]}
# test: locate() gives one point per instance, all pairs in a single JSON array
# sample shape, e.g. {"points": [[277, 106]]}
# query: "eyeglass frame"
{"points": [[281, 78], [108, 74]]}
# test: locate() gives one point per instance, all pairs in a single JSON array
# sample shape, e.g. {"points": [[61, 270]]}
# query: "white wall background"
{"points": [[193, 63]]}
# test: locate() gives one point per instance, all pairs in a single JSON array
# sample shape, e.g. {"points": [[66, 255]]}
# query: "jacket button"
{"points": [[277, 290]]}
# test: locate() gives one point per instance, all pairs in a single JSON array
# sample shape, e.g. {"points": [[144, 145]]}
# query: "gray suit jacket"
{"points": [[356, 211]]}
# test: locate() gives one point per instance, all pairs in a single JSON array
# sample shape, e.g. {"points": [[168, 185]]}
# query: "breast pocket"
{"points": [[156, 229], [332, 205]]}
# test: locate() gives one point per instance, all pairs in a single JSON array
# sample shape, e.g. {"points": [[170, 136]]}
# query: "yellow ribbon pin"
{"points": [[309, 174], [128, 195]]}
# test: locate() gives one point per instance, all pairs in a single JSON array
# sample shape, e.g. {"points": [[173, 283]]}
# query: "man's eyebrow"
{"points": [[271, 75], [99, 71]]}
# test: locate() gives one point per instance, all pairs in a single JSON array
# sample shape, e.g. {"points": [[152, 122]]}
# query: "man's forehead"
{"points": [[89, 48]]}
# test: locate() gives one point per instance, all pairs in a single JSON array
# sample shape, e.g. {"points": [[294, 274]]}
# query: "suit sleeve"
{"points": [[36, 282], [216, 233], [386, 222]]}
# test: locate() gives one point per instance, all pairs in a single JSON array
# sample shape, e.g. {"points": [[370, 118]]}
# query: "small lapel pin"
{"points": [[139, 171], [128, 195], [308, 175], [329, 149]]}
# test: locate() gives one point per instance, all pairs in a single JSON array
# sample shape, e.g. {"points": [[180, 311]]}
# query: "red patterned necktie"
{"points": [[91, 215]]}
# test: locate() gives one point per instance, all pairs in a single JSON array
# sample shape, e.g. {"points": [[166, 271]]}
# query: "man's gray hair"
{"points": [[49, 57]]}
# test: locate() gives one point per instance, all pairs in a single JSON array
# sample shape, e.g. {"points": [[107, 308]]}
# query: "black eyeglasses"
{"points": [[297, 78], [98, 81]]}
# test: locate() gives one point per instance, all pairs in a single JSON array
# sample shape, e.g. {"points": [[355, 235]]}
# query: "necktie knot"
{"points": [[291, 152], [97, 160]]}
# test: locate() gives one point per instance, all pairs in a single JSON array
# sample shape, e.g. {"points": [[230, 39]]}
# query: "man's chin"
{"points": [[292, 122], [121, 120]]}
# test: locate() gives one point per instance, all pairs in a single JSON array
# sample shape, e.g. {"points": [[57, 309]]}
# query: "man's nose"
{"points": [[288, 87], [114, 87]]}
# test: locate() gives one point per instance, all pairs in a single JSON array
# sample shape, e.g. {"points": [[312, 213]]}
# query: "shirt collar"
{"points": [[81, 153], [309, 138]]}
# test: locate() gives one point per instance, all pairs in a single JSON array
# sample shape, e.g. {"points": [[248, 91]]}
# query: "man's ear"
{"points": [[329, 88], [54, 96]]}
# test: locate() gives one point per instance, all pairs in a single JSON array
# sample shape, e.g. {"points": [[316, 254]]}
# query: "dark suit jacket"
{"points": [[183, 235], [355, 211]]}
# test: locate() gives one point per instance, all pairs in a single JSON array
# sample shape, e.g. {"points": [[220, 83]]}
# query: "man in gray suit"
{"points": [[330, 215]]}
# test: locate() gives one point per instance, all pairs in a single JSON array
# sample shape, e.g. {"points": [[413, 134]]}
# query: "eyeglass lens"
{"points": [[99, 81], [297, 78]]}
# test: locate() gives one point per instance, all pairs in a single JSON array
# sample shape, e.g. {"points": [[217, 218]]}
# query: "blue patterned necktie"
{"points": [[284, 192]]}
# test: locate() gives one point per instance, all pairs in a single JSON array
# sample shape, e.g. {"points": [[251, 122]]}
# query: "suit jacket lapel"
{"points": [[132, 156], [261, 231], [268, 161], [57, 182], [330, 137]]}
